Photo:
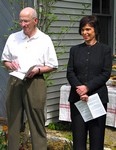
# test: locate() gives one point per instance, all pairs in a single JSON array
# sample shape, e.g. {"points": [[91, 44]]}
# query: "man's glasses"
{"points": [[25, 21]]}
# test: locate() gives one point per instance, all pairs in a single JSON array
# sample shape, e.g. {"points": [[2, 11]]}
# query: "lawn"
{"points": [[59, 137]]}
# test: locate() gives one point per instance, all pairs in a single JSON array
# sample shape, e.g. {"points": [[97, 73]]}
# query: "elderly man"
{"points": [[24, 49]]}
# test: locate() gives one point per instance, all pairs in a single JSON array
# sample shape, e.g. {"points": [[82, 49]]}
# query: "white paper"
{"points": [[91, 109], [19, 74]]}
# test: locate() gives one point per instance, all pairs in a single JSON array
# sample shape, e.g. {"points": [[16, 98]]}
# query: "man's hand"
{"points": [[33, 72], [11, 65], [40, 70]]}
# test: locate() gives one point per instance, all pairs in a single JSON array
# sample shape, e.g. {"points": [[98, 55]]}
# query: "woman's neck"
{"points": [[90, 43]]}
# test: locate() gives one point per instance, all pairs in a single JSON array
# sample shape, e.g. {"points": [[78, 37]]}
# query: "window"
{"points": [[96, 6], [105, 6], [102, 9], [101, 6]]}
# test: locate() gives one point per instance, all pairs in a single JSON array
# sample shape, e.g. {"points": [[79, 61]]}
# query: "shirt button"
{"points": [[86, 68]]}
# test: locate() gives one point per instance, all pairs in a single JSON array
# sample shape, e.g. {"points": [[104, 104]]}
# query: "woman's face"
{"points": [[88, 33]]}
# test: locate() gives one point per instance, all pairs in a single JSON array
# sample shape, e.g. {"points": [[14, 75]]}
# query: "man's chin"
{"points": [[25, 32]]}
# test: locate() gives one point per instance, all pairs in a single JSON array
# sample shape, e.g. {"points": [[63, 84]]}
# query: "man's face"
{"points": [[27, 23]]}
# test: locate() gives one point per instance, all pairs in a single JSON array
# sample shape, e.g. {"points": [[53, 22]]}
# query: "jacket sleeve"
{"points": [[72, 79]]}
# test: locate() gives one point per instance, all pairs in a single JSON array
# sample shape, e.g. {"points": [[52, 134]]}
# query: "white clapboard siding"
{"points": [[114, 51], [64, 10]]}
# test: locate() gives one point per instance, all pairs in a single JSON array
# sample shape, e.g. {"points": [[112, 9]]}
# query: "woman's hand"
{"points": [[81, 90], [84, 97]]}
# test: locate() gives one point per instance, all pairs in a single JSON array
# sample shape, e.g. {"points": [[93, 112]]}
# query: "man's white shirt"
{"points": [[37, 50]]}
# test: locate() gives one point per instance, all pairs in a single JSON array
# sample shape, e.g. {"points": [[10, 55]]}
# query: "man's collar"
{"points": [[36, 35]]}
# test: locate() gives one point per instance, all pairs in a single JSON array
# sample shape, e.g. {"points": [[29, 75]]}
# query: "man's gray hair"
{"points": [[34, 14]]}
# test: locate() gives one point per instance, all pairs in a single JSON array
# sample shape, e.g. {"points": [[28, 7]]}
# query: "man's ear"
{"points": [[36, 20]]}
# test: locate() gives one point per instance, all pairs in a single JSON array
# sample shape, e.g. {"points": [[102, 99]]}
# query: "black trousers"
{"points": [[95, 129], [28, 95]]}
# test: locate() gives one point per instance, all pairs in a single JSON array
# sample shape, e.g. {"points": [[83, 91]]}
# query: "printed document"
{"points": [[91, 109], [21, 75]]}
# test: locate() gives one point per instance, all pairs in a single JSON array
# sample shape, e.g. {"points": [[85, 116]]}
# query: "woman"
{"points": [[88, 70]]}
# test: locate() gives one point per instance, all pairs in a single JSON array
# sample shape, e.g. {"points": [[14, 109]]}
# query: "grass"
{"points": [[60, 130], [110, 133]]}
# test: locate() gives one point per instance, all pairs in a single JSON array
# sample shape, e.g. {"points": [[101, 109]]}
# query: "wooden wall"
{"points": [[68, 14]]}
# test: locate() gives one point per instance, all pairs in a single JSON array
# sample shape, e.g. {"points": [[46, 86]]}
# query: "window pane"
{"points": [[96, 6], [105, 6], [103, 38]]}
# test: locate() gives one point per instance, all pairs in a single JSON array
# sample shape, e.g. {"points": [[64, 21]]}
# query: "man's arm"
{"points": [[40, 70]]}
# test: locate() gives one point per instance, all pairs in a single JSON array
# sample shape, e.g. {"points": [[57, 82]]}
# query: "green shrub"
{"points": [[62, 126]]}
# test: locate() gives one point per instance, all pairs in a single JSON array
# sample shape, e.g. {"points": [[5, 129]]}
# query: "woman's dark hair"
{"points": [[92, 21]]}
